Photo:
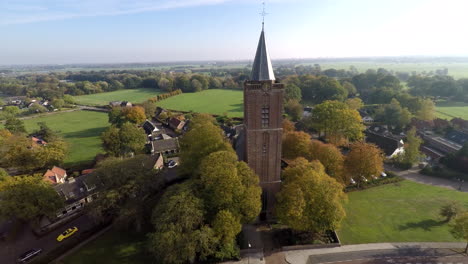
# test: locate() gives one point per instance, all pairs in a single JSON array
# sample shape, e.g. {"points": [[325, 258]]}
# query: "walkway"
{"points": [[302, 256]]}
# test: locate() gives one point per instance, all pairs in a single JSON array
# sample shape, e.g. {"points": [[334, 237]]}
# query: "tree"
{"points": [[180, 234], [36, 108], [322, 88], [354, 103], [309, 199], [10, 111], [68, 99], [28, 198], [58, 103], [150, 109], [294, 109], [331, 158], [46, 133], [296, 144], [288, 126], [3, 174], [119, 142], [337, 121], [450, 210], [413, 142], [364, 161], [394, 114], [202, 139], [292, 92], [15, 125], [134, 114], [427, 110], [459, 228]]}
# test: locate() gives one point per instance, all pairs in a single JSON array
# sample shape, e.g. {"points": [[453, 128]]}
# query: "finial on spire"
{"points": [[263, 14]]}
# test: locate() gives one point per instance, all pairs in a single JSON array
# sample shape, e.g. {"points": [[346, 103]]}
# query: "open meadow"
{"points": [[80, 129], [401, 212], [131, 95], [449, 110], [214, 101]]}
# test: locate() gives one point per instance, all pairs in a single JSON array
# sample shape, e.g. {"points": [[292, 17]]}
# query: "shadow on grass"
{"points": [[237, 108], [426, 225], [91, 132]]}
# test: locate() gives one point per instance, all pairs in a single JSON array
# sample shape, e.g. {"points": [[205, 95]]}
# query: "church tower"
{"points": [[263, 106]]}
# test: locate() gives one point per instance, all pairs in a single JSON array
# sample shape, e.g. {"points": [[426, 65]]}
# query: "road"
{"points": [[9, 251], [403, 256]]}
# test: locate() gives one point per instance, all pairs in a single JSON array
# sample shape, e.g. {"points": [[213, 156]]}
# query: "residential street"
{"points": [[9, 251]]}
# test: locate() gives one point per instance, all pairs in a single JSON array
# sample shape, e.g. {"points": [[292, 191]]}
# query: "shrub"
{"points": [[450, 210]]}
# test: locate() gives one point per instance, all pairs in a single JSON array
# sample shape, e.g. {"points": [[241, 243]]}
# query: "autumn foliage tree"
{"points": [[364, 161], [296, 144], [309, 199], [331, 158]]}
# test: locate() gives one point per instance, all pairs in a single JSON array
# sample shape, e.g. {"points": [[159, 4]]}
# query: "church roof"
{"points": [[262, 69]]}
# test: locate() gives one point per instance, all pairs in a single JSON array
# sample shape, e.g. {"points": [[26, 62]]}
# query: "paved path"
{"points": [[414, 175], [377, 249]]}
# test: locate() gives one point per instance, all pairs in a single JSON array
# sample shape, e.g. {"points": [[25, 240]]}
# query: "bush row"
{"points": [[163, 96], [443, 173], [391, 178]]}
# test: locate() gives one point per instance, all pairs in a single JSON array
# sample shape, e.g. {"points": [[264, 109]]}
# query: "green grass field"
{"points": [[209, 101], [131, 95], [449, 110], [112, 247], [80, 129], [405, 212]]}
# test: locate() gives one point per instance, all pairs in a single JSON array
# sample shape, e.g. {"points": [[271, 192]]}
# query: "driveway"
{"points": [[414, 175], [25, 240]]}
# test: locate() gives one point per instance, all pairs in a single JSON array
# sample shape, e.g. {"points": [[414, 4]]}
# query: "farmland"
{"points": [[402, 212], [449, 110], [80, 129], [214, 101], [131, 95]]}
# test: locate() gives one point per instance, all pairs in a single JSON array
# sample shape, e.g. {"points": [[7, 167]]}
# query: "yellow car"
{"points": [[67, 233]]}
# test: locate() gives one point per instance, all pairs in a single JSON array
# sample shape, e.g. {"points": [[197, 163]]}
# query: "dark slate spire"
{"points": [[262, 69]]}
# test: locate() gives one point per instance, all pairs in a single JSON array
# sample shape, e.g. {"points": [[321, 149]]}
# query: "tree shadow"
{"points": [[426, 225], [237, 108], [91, 132]]}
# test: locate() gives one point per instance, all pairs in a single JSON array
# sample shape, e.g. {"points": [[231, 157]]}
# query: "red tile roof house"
{"points": [[55, 175], [176, 124]]}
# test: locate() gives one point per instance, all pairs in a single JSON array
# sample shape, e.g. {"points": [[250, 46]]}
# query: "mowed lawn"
{"points": [[450, 110], [131, 95], [80, 129], [214, 101], [402, 212], [112, 247]]}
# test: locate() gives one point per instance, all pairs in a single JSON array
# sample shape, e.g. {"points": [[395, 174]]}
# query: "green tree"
{"points": [[58, 103], [68, 99], [15, 125], [294, 109], [292, 92], [450, 210], [309, 199], [427, 110], [394, 114], [459, 228], [11, 111], [413, 142], [202, 139], [28, 198], [150, 109], [36, 108], [337, 121], [3, 174], [46, 133], [354, 103], [123, 141], [180, 234], [111, 141]]}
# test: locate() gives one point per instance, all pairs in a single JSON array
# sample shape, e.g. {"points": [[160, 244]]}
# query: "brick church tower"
{"points": [[263, 106]]}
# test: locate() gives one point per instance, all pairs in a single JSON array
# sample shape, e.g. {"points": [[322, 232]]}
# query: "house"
{"points": [[176, 124], [391, 146], [126, 104], [77, 192], [55, 175], [114, 103], [87, 171], [149, 127], [168, 146], [442, 145], [458, 137], [307, 111], [159, 162], [368, 119], [460, 123], [422, 124], [35, 141]]}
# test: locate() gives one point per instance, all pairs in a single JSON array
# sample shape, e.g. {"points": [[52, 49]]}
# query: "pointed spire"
{"points": [[262, 69]]}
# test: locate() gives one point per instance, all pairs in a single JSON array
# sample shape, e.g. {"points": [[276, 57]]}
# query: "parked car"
{"points": [[28, 255], [352, 181], [67, 233], [363, 179], [383, 174], [171, 164]]}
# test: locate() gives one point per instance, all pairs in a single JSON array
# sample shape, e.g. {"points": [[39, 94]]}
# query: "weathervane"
{"points": [[263, 14]]}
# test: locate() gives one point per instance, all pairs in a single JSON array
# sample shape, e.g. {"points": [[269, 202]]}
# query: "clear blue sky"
{"points": [[107, 31]]}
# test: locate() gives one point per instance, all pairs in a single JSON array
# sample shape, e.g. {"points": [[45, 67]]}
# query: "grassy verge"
{"points": [[131, 95], [401, 212], [213, 101], [449, 110], [113, 247]]}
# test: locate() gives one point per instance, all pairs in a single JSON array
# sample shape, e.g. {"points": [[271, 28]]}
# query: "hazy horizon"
{"points": [[165, 31]]}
